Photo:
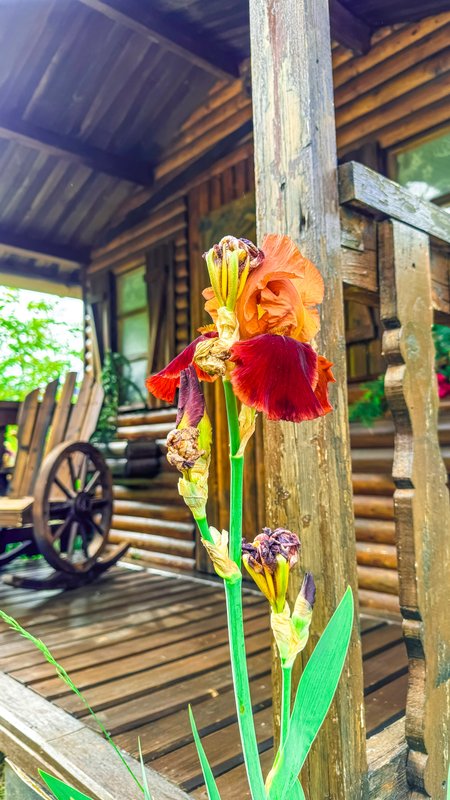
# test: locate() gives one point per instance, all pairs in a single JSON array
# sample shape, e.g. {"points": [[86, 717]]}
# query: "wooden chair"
{"points": [[59, 496]]}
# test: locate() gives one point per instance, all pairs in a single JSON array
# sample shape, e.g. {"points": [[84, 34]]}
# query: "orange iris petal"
{"points": [[281, 294], [279, 376], [325, 376], [165, 383]]}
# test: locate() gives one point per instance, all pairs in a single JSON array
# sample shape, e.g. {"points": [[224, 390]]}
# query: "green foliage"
{"points": [[116, 383], [441, 335], [211, 786], [372, 405], [315, 693], [145, 789], [35, 347]]}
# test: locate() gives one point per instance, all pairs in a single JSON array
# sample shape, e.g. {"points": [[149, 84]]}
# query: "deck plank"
{"points": [[141, 645]]}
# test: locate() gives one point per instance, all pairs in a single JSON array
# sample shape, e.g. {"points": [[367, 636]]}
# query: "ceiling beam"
{"points": [[29, 247], [40, 279], [182, 40], [77, 152], [349, 30]]}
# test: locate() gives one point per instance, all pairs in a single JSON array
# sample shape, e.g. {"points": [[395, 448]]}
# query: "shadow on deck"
{"points": [[141, 645]]}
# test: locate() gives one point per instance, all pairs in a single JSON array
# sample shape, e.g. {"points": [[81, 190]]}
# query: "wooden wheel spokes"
{"points": [[73, 508]]}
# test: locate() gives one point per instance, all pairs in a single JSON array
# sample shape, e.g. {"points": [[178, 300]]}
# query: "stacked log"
{"points": [[148, 513], [373, 489]]}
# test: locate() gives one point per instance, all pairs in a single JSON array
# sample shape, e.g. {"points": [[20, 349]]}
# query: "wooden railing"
{"points": [[9, 410], [400, 248]]}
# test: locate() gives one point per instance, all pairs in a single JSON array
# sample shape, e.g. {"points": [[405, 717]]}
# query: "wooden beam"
{"points": [[362, 187], [185, 40], [168, 187], [38, 735], [308, 465], [349, 30], [24, 132], [30, 247], [421, 500], [51, 274]]}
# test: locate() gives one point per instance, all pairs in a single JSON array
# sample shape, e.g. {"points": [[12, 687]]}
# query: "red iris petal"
{"points": [[165, 383], [277, 375]]}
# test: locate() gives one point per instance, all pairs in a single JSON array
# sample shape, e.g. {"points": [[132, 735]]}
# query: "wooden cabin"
{"points": [[132, 138]]}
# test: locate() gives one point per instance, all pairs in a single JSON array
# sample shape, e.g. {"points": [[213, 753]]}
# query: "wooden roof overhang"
{"points": [[92, 95]]}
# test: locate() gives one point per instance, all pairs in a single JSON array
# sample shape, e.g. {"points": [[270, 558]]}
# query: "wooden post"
{"points": [[308, 465], [421, 500]]}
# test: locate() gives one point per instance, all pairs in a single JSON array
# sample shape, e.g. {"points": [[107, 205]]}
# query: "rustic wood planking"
{"points": [[105, 653]]}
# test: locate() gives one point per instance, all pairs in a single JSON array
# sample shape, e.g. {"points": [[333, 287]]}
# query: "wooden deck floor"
{"points": [[142, 645]]}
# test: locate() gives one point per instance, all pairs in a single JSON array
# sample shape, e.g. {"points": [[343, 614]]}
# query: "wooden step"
{"points": [[157, 544], [155, 431], [137, 508], [147, 417], [163, 527]]}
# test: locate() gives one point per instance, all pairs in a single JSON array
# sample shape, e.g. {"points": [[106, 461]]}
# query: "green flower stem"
{"points": [[235, 615], [203, 527], [286, 674]]}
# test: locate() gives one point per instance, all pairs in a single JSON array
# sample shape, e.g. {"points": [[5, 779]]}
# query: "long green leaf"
{"points": [[296, 792], [61, 672], [213, 792], [147, 795], [448, 783], [314, 696], [61, 790]]}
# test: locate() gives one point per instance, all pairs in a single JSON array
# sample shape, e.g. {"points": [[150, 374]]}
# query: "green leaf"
{"points": [[61, 790], [296, 792], [213, 792], [448, 783], [146, 790], [314, 695]]}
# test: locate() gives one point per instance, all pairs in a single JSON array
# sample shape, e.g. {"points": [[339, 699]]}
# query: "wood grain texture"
{"points": [[421, 500], [308, 465]]}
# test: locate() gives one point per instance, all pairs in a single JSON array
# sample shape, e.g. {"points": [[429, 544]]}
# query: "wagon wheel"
{"points": [[72, 507]]}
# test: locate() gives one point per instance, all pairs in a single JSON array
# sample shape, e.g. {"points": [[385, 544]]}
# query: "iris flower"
{"points": [[272, 294]]}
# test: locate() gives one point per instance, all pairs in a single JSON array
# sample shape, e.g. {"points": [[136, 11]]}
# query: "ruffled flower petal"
{"points": [[325, 376], [279, 376], [165, 383]]}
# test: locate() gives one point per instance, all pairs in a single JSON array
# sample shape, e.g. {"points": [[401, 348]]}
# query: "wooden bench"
{"points": [[59, 494]]}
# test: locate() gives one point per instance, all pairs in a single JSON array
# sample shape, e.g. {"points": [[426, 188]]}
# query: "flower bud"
{"points": [[228, 265], [189, 445], [269, 559], [211, 356], [218, 552], [291, 633]]}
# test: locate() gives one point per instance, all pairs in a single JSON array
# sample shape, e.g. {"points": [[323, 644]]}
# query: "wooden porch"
{"points": [[139, 666]]}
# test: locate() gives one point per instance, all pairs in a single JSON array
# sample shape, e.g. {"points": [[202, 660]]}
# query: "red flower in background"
{"points": [[443, 385]]}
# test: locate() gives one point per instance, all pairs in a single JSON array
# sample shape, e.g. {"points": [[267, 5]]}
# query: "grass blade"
{"points": [[213, 792], [61, 672], [61, 790], [147, 795]]}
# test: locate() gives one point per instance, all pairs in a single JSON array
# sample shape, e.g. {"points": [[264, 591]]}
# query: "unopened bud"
{"points": [[218, 552], [211, 355], [182, 448]]}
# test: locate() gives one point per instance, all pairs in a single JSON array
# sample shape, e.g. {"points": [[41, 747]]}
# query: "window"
{"points": [[424, 169], [133, 327]]}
